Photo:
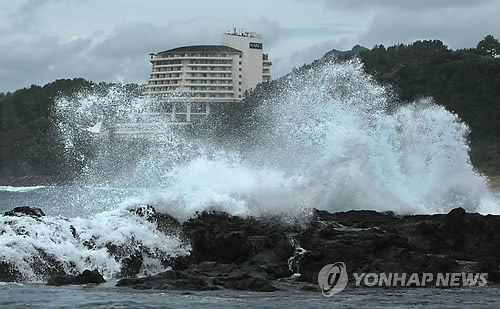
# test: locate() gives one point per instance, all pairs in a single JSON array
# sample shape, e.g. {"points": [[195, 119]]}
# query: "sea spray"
{"points": [[330, 138]]}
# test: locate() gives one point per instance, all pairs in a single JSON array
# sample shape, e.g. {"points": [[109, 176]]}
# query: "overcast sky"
{"points": [[109, 40]]}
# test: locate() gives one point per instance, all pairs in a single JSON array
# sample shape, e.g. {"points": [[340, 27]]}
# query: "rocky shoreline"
{"points": [[251, 253]]}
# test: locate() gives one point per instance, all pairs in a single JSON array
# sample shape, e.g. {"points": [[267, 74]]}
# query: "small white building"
{"points": [[202, 74]]}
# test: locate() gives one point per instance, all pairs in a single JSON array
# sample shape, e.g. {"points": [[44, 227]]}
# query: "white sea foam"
{"points": [[20, 189], [331, 138], [26, 241]]}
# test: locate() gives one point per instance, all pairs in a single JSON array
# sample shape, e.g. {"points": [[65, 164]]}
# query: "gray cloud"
{"points": [[29, 54], [390, 27], [26, 15], [283, 65], [121, 54], [41, 60], [401, 4]]}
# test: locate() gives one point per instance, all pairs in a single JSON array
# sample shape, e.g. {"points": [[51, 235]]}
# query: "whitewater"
{"points": [[330, 138]]}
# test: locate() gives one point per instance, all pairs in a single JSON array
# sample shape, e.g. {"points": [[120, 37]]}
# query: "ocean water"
{"points": [[331, 139], [289, 296]]}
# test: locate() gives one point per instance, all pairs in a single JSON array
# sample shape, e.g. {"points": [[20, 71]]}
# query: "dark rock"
{"points": [[90, 277], [206, 276], [274, 266], [25, 211], [311, 288], [250, 284], [455, 220], [369, 241], [490, 267], [165, 223], [181, 262], [62, 279], [131, 265], [249, 253], [73, 232], [229, 239], [494, 277], [9, 273], [214, 269], [129, 282], [46, 265], [85, 277], [170, 280]]}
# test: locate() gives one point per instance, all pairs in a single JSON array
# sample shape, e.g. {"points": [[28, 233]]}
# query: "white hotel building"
{"points": [[189, 78]]}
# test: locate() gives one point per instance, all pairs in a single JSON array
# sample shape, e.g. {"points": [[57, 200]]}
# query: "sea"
{"points": [[329, 138]]}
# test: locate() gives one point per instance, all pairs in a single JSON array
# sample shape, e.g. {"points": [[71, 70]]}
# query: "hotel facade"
{"points": [[188, 79]]}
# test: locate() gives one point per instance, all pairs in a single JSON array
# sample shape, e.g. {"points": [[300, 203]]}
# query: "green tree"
{"points": [[489, 46]]}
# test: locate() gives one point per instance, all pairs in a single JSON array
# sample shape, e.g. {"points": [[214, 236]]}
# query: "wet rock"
{"points": [[9, 273], [369, 241], [131, 265], [45, 265], [62, 279], [25, 211], [250, 284], [311, 288], [73, 232], [170, 280], [455, 220], [494, 277], [223, 238], [206, 276], [249, 253], [86, 277], [165, 223]]}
